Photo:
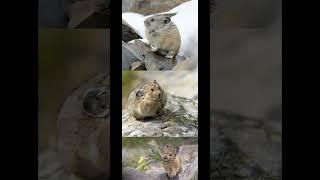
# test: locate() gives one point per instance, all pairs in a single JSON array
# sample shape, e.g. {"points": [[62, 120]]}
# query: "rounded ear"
{"points": [[176, 149], [156, 82], [166, 147], [170, 14], [166, 20], [139, 93]]}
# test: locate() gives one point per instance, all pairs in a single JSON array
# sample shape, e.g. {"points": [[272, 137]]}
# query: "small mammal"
{"points": [[171, 161], [146, 100], [163, 35]]}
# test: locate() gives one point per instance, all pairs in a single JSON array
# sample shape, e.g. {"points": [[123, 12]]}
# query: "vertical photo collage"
{"points": [[160, 89]]}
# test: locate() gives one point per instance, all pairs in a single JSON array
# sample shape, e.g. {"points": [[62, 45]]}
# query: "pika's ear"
{"points": [[166, 20], [176, 149], [139, 93], [166, 147], [154, 81], [170, 14]]}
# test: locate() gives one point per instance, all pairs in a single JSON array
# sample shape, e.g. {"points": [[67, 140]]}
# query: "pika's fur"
{"points": [[163, 35], [146, 100], [171, 161]]}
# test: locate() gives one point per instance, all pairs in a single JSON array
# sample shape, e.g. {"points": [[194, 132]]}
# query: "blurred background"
{"points": [[73, 13], [246, 58], [135, 142], [178, 83], [66, 59], [147, 7]]}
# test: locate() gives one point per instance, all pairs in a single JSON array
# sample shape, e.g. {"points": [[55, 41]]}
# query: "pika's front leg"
{"points": [[153, 48], [173, 173], [171, 54]]}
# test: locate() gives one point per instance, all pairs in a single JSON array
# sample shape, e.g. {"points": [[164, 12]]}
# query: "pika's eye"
{"points": [[151, 89], [152, 20], [170, 155], [165, 21]]}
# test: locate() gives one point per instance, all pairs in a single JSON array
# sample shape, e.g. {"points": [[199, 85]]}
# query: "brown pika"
{"points": [[171, 161], [163, 35], [146, 100]]}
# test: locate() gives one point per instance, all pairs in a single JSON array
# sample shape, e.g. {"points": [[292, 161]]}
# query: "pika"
{"points": [[146, 100], [171, 161], [163, 35]]}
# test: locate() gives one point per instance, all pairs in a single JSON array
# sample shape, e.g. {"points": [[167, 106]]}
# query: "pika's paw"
{"points": [[169, 56], [154, 49], [170, 176]]}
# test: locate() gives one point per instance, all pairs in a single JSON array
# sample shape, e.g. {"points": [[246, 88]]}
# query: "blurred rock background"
{"points": [[73, 13], [246, 58], [65, 60], [147, 7], [246, 89]]}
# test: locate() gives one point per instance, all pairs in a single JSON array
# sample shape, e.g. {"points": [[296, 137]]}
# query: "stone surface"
{"points": [[138, 65], [128, 33], [244, 148], [152, 60], [180, 118], [129, 56]]}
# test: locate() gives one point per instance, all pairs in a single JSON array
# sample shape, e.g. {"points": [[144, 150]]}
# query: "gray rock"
{"points": [[129, 173], [180, 118], [152, 60], [244, 148], [190, 171], [128, 34], [137, 65], [129, 57]]}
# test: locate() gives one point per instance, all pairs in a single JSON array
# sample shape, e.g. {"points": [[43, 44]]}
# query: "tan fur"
{"points": [[164, 37], [146, 100], [171, 161]]}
